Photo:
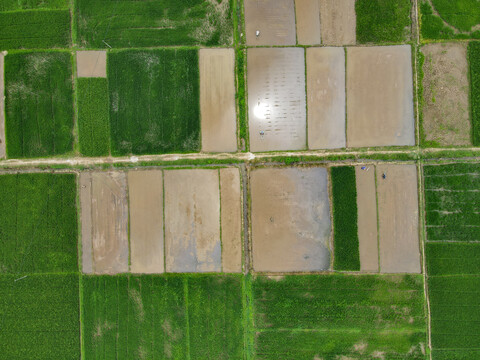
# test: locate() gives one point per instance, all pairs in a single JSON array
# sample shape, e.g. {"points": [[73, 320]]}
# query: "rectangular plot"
{"points": [[2, 107], [338, 22], [192, 221], [307, 13], [367, 218], [108, 233], [273, 19], [456, 232], [276, 99], [455, 354], [380, 96], [145, 192], [92, 64], [217, 100], [452, 259], [231, 220], [451, 169], [326, 98], [398, 218], [215, 317]]}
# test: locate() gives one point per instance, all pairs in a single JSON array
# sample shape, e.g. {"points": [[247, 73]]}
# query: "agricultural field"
{"points": [[474, 61]]}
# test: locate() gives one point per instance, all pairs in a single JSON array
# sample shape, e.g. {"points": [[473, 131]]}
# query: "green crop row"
{"points": [[345, 225], [474, 62], [39, 316], [12, 5], [35, 29], [38, 223], [93, 116], [453, 258]]}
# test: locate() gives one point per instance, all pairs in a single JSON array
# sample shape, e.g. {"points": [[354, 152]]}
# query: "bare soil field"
{"points": [[276, 99], [398, 219], [104, 204], [338, 22], [217, 100], [367, 218], [92, 64], [446, 91], [3, 151], [380, 96], [308, 22], [231, 212], [326, 97], [192, 221], [145, 193], [290, 219], [274, 19]]}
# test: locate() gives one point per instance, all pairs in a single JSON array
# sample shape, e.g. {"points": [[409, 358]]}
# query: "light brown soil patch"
{"points": [[217, 100], [145, 192], [398, 219], [2, 107], [326, 98], [307, 13], [446, 111], [275, 19], [380, 96], [231, 212], [92, 64], [104, 204], [290, 219], [276, 99], [192, 221], [367, 218], [338, 22]]}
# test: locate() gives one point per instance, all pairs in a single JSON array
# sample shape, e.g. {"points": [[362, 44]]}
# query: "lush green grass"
{"points": [[330, 316], [154, 101], [35, 29], [381, 21], [462, 14], [453, 354], [39, 104], [452, 202], [347, 256], [11, 5], [153, 23], [453, 258], [38, 223], [93, 116], [215, 317], [39, 317], [241, 96], [474, 62]]}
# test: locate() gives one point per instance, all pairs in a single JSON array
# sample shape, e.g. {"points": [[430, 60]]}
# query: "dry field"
{"points": [[276, 99], [326, 98], [307, 13], [446, 91], [380, 96], [2, 106], [92, 64], [104, 204], [275, 19], [217, 100], [338, 22], [290, 219]]}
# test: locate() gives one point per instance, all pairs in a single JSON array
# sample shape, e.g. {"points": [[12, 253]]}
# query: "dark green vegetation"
{"points": [[35, 29], [11, 5], [452, 201], [38, 223], [381, 21], [457, 17], [453, 258], [335, 316], [154, 101], [93, 116], [474, 62], [241, 97], [39, 317], [158, 317], [39, 104], [153, 23], [347, 256]]}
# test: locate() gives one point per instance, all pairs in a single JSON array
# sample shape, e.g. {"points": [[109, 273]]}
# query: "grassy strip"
{"points": [[40, 317], [11, 5], [474, 62], [38, 223], [153, 23], [328, 316], [39, 104], [154, 101], [35, 29], [381, 21], [453, 259], [240, 58], [93, 116], [347, 256]]}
